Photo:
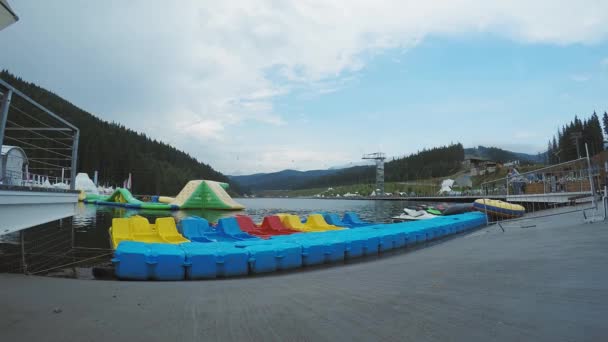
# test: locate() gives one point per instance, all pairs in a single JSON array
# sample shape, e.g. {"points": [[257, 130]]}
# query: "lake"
{"points": [[73, 246]]}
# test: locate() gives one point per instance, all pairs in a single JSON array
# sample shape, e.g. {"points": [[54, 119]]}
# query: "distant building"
{"points": [[479, 166]]}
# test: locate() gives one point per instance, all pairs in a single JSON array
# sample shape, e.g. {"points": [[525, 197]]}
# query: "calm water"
{"points": [[74, 246]]}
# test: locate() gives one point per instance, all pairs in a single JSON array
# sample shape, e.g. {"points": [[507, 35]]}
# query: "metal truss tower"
{"points": [[379, 157]]}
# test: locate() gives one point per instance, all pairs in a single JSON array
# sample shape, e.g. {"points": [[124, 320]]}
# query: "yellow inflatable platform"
{"points": [[137, 228], [314, 223], [498, 208]]}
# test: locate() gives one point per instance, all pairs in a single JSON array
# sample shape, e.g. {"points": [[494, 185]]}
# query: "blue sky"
{"points": [[261, 85], [477, 90]]}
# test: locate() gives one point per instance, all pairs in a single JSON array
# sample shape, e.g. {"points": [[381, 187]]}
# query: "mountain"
{"points": [[282, 180], [500, 155], [435, 162], [353, 164], [115, 151], [428, 163]]}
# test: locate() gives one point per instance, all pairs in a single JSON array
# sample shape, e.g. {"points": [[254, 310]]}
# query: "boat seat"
{"points": [[274, 223], [143, 231], [230, 227], [168, 231], [120, 231], [198, 229], [316, 222], [293, 222], [248, 226], [334, 219], [353, 220], [194, 228]]}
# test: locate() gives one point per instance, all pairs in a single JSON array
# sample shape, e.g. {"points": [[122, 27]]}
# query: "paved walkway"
{"points": [[543, 283]]}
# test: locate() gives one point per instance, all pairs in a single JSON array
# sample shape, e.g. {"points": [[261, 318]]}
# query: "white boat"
{"points": [[413, 215]]}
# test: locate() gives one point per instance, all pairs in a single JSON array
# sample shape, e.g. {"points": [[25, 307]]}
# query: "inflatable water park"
{"points": [[197, 194], [236, 246]]}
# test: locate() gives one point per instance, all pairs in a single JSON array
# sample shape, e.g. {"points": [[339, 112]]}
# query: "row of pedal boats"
{"points": [[236, 246], [495, 209], [229, 229]]}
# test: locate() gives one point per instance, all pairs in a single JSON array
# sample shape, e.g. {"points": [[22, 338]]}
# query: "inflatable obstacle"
{"points": [[226, 251], [499, 209], [197, 194]]}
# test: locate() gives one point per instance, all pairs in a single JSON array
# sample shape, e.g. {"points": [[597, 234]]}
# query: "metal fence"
{"points": [[50, 142], [553, 190]]}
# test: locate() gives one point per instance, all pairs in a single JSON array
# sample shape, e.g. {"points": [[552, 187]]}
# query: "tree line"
{"points": [[569, 141], [428, 163], [112, 149]]}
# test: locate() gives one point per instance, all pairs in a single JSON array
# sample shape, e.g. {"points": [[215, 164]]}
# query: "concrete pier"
{"points": [[546, 282]]}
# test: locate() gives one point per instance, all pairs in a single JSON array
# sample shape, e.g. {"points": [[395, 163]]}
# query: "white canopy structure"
{"points": [[12, 161], [446, 186], [7, 16], [84, 183]]}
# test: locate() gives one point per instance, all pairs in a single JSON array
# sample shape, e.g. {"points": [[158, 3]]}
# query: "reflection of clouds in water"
{"points": [[85, 215]]}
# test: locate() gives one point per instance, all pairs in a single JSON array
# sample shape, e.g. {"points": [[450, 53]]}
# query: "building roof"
{"points": [[7, 16], [475, 158]]}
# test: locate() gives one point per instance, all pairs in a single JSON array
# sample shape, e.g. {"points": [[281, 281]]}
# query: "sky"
{"points": [[265, 85]]}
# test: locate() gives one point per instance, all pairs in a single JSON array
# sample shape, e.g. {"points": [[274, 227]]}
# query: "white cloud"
{"points": [[220, 64], [604, 62]]}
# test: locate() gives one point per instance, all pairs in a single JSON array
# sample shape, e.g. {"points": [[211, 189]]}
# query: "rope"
{"points": [[72, 263]]}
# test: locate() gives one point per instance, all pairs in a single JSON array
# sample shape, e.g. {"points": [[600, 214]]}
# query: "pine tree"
{"points": [[605, 119], [555, 152], [595, 138]]}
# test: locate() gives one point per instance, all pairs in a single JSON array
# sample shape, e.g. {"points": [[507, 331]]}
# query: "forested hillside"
{"points": [[115, 150], [563, 146], [435, 162], [282, 180], [502, 156]]}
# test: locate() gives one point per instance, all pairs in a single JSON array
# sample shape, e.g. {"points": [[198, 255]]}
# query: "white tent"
{"points": [[7, 16], [84, 183], [12, 161], [446, 186]]}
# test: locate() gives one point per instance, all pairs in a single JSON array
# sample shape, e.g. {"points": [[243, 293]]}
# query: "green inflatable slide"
{"points": [[197, 194]]}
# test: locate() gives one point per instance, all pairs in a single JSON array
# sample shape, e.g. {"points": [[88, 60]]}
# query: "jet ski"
{"points": [[413, 215]]}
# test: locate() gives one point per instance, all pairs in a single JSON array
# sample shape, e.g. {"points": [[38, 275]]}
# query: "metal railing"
{"points": [[29, 179], [553, 190], [574, 176], [50, 143]]}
